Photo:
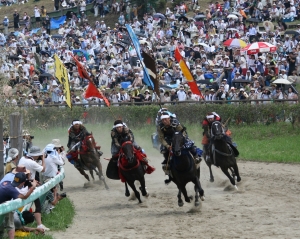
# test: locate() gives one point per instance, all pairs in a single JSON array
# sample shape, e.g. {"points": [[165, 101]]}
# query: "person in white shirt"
{"points": [[34, 161], [52, 161], [181, 94]]}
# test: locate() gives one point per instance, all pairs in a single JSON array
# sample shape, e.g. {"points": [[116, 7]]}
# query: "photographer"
{"points": [[52, 162], [221, 94], [34, 161], [27, 142], [242, 94]]}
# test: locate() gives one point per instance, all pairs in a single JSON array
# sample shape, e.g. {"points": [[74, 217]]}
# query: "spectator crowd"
{"points": [[222, 73], [22, 176]]}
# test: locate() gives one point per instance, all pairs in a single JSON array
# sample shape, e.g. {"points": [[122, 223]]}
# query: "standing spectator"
{"points": [[43, 13], [37, 15], [12, 160], [35, 163], [5, 24], [181, 94], [56, 5], [52, 162], [16, 19]]}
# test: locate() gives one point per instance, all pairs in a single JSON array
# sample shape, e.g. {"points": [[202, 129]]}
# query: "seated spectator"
{"points": [[12, 160]]}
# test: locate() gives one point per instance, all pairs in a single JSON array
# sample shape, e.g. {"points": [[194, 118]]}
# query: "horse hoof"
{"points": [[212, 180], [197, 204], [238, 179], [236, 187], [180, 204], [202, 198]]}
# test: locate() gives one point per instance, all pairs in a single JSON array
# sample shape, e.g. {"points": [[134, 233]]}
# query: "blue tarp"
{"points": [[54, 23], [34, 31], [81, 52]]}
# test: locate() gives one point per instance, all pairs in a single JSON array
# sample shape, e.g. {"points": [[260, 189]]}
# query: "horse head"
{"points": [[178, 142], [217, 130], [128, 151], [89, 143]]}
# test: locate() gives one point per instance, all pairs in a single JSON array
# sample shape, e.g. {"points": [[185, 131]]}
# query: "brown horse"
{"points": [[90, 159]]}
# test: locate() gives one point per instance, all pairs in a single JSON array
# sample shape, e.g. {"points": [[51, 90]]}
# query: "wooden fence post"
{"points": [[1, 152], [16, 137]]}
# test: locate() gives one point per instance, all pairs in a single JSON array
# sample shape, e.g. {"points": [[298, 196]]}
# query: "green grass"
{"points": [[266, 143], [59, 219]]}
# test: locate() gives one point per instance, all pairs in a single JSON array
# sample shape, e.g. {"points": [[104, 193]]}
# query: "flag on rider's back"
{"points": [[147, 80], [92, 90], [151, 68], [61, 73], [187, 74]]}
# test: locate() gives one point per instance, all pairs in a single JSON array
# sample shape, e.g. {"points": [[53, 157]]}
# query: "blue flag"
{"points": [[147, 80], [54, 23]]}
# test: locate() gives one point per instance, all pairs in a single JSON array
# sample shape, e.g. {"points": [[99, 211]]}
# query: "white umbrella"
{"points": [[237, 13], [232, 29], [282, 81], [144, 42], [203, 44], [232, 16]]}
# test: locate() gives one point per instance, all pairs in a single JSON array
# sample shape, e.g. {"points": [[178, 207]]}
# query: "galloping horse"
{"points": [[184, 170], [131, 169], [90, 159], [222, 154]]}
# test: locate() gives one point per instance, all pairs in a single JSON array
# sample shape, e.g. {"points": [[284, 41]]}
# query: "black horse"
{"points": [[132, 169], [184, 170], [222, 154]]}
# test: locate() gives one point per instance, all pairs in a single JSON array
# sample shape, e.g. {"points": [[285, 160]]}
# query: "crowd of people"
{"points": [[222, 73], [22, 176]]}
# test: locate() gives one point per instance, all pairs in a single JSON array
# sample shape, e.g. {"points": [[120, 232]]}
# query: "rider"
{"points": [[166, 129], [206, 126], [77, 132]]}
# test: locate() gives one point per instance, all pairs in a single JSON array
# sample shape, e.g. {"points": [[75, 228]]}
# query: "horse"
{"points": [[90, 159], [222, 154], [131, 170], [183, 170]]}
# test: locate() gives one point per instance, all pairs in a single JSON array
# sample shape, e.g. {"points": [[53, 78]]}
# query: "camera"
{"points": [[28, 183], [32, 137]]}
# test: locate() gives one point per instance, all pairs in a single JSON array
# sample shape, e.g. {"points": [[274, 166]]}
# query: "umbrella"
{"points": [[234, 42], [13, 57], [45, 52], [81, 52], [282, 81], [237, 13], [183, 18], [200, 16], [232, 29], [140, 34], [232, 16], [292, 32], [207, 82], [121, 45], [269, 26], [46, 75], [57, 36], [257, 47], [144, 42], [202, 44], [159, 15], [253, 20], [186, 33], [69, 64], [159, 62]]}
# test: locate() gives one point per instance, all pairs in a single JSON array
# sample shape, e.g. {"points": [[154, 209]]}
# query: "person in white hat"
{"points": [[12, 160], [6, 24]]}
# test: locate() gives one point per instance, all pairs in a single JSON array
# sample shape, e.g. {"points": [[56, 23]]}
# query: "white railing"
{"points": [[38, 192]]}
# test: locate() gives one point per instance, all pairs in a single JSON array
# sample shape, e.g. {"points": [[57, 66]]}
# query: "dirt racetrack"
{"points": [[267, 205]]}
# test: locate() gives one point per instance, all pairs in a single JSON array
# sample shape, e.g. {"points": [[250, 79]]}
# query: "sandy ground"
{"points": [[267, 205]]}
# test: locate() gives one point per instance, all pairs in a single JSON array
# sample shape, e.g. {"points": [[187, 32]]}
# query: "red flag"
{"points": [[92, 90], [187, 73]]}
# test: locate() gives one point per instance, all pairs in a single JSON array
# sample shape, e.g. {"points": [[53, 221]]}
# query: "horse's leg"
{"points": [[143, 187], [225, 171], [100, 173], [237, 173], [186, 197], [232, 172], [92, 174], [127, 193], [83, 173], [137, 194], [180, 202], [198, 189], [210, 172]]}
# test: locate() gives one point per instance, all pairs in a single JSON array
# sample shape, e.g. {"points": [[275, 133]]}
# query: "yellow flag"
{"points": [[61, 73]]}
